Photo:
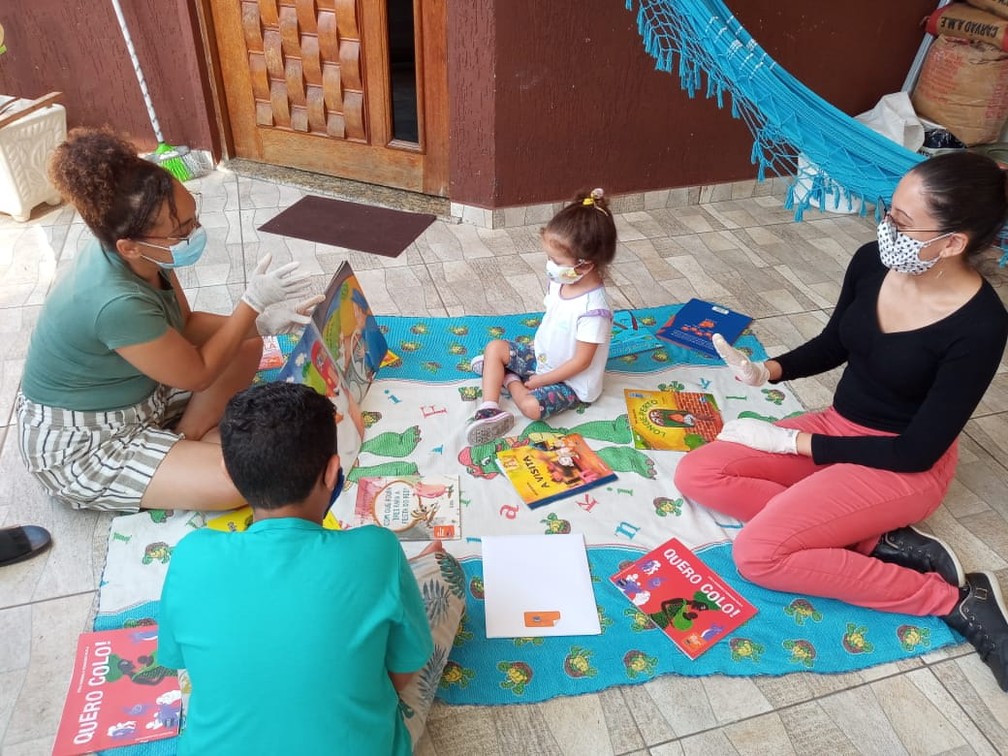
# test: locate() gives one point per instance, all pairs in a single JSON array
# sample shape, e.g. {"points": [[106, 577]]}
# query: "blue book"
{"points": [[694, 324], [630, 336]]}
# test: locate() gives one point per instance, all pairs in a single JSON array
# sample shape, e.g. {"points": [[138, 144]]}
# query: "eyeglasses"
{"points": [[176, 240], [887, 214], [185, 237]]}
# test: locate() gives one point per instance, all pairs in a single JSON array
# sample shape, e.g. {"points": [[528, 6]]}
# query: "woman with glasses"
{"points": [[124, 383], [828, 498]]}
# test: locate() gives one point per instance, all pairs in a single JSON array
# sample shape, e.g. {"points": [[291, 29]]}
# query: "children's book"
{"points": [[119, 693], [337, 354], [682, 596], [672, 420], [630, 336], [272, 356], [414, 507], [553, 466], [696, 321], [238, 520]]}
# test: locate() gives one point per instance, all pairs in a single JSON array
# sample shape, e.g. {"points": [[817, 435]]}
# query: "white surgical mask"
{"points": [[899, 252], [564, 274]]}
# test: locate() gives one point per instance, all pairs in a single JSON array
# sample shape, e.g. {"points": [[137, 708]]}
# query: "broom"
{"points": [[180, 162]]}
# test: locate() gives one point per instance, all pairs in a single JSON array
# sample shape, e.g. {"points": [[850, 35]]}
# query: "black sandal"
{"points": [[24, 542]]}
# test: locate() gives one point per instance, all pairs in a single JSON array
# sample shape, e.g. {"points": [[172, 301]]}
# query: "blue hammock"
{"points": [[851, 162]]}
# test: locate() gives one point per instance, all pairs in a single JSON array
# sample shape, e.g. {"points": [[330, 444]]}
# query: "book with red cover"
{"points": [[684, 597], [119, 693]]}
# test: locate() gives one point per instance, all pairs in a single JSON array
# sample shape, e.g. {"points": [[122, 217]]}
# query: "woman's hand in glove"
{"points": [[265, 289], [761, 435], [749, 372], [286, 317]]}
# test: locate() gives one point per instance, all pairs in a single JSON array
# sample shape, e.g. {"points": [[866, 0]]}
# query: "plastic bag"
{"points": [[894, 117]]}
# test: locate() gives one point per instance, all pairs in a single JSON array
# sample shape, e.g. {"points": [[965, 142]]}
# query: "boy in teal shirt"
{"points": [[297, 638]]}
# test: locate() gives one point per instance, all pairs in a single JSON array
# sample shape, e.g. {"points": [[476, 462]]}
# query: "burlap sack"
{"points": [[964, 87], [997, 7], [966, 22]]}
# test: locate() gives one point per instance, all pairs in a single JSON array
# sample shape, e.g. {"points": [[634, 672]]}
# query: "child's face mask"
{"points": [[564, 274]]}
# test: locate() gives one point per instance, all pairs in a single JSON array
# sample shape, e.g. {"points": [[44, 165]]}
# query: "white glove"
{"points": [[286, 317], [265, 289], [750, 373], [761, 435]]}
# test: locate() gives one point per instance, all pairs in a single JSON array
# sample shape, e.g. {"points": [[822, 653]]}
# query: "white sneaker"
{"points": [[489, 424]]}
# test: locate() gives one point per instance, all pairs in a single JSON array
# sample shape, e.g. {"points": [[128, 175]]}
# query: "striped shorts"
{"points": [[99, 460]]}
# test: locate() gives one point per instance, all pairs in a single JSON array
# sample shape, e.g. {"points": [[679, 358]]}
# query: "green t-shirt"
{"points": [[288, 632], [97, 306]]}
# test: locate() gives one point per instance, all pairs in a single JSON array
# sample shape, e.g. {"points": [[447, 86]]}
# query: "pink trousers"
{"points": [[810, 528]]}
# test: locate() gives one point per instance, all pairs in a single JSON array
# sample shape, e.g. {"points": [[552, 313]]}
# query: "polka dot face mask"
{"points": [[899, 252]]}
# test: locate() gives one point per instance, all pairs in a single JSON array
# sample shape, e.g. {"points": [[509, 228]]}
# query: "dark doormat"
{"points": [[377, 230]]}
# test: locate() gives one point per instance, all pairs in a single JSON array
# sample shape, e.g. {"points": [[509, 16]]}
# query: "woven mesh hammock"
{"points": [[716, 55]]}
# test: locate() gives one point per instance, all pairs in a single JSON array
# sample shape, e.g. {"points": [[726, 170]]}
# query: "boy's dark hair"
{"points": [[117, 192], [585, 229], [277, 439], [966, 192]]}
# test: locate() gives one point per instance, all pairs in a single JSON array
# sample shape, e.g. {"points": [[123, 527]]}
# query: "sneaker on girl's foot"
{"points": [[487, 424], [980, 617], [909, 547]]}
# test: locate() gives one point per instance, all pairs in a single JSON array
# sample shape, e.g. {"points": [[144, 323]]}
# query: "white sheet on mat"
{"points": [[635, 511], [426, 422], [139, 552]]}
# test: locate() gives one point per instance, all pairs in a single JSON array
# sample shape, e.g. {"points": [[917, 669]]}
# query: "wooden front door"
{"points": [[352, 88]]}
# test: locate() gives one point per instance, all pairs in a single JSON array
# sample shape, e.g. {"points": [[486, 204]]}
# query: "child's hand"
{"points": [[534, 382]]}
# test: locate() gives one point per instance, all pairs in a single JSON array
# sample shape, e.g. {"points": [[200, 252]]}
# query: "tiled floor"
{"points": [[746, 253]]}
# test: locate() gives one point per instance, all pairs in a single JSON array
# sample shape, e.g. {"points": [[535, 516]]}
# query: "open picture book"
{"points": [[337, 354]]}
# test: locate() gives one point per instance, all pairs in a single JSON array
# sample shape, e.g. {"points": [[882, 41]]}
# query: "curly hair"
{"points": [[117, 193], [585, 229]]}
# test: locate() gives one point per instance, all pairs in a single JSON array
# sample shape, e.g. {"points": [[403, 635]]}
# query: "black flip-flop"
{"points": [[23, 542]]}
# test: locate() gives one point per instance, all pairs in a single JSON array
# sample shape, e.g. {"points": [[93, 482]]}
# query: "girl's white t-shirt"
{"points": [[586, 317]]}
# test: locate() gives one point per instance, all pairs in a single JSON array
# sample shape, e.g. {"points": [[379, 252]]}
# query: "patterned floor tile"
{"points": [[743, 249]]}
